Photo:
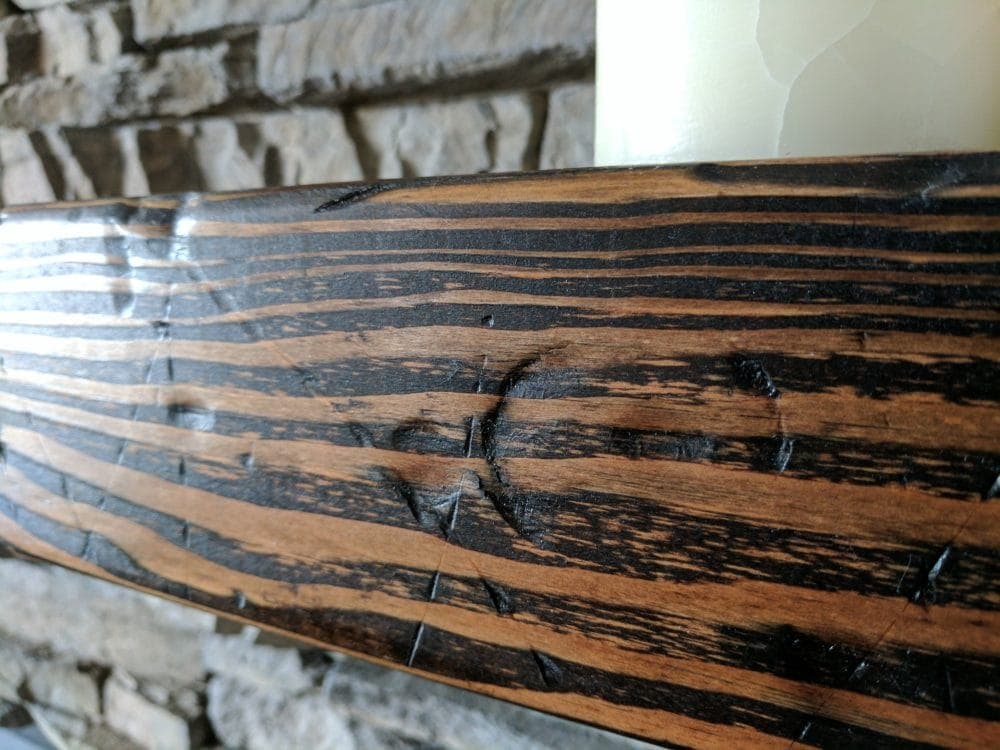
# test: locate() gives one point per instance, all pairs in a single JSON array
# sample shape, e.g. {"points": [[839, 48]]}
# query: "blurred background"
{"points": [[131, 97]]}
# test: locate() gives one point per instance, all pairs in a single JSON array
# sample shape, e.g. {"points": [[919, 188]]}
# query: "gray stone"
{"points": [[307, 146], [22, 180], [80, 100], [132, 715], [491, 134], [392, 703], [36, 4], [97, 621], [3, 59], [241, 659], [221, 159], [181, 82], [174, 83], [11, 671], [398, 45], [58, 726], [569, 129], [156, 19], [243, 715], [64, 687]]}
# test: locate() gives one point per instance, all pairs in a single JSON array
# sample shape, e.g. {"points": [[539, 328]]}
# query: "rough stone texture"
{"points": [[230, 95], [259, 695], [93, 620], [301, 147], [466, 135], [245, 716], [62, 686], [404, 45], [80, 65], [238, 658], [569, 130], [72, 41], [23, 178], [156, 19], [35, 4], [176, 82], [151, 726], [11, 671]]}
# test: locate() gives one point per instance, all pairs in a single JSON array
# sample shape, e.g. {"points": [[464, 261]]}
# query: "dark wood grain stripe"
{"points": [[707, 454]]}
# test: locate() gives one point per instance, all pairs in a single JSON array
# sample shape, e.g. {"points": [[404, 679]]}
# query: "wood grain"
{"points": [[706, 455]]}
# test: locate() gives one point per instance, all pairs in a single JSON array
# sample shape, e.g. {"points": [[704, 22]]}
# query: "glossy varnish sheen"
{"points": [[707, 454]]}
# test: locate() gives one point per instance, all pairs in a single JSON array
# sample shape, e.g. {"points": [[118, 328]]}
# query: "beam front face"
{"points": [[707, 454]]}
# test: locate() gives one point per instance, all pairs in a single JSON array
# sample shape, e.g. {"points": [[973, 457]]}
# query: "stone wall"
{"points": [[129, 97], [95, 665]]}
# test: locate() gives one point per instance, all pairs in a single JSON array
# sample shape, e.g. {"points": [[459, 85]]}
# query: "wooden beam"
{"points": [[702, 454]]}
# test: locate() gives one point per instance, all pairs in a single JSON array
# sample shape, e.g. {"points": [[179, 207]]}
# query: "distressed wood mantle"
{"points": [[706, 454]]}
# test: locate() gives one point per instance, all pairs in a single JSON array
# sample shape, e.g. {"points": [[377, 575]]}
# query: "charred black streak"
{"points": [[123, 302], [952, 175], [190, 416], [415, 645], [420, 436], [470, 436], [186, 534], [85, 552], [352, 196], [859, 671], [181, 469], [503, 603], [516, 508], [552, 674], [361, 434], [925, 592], [432, 509], [481, 376], [432, 587], [749, 374], [993, 490], [309, 380], [775, 455]]}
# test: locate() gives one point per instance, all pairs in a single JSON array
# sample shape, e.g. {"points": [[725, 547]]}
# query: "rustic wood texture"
{"points": [[704, 454]]}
